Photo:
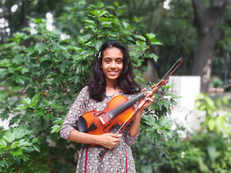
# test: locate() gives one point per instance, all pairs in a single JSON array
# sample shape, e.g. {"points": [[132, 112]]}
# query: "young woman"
{"points": [[112, 75]]}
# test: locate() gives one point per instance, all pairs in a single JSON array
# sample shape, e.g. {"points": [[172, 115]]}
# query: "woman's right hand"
{"points": [[109, 140]]}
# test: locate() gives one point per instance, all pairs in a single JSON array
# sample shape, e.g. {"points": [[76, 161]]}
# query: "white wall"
{"points": [[185, 113]]}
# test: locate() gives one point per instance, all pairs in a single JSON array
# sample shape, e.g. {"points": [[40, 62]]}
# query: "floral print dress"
{"points": [[117, 160]]}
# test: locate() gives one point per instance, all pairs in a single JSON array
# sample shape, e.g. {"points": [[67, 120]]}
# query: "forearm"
{"points": [[108, 140], [83, 138], [135, 127], [145, 103]]}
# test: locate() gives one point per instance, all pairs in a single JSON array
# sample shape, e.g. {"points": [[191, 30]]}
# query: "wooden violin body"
{"points": [[118, 111]]}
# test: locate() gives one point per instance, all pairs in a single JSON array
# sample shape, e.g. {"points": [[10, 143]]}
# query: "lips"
{"points": [[113, 73]]}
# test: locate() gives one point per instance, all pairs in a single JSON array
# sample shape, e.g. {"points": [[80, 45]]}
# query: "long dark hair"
{"points": [[97, 83]]}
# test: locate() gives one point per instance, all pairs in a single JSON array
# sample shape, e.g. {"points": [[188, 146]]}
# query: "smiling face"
{"points": [[112, 63]]}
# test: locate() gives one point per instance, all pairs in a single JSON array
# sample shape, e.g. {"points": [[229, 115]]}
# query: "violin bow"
{"points": [[166, 76], [164, 79]]}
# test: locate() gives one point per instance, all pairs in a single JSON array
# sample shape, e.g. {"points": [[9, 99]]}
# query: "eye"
{"points": [[107, 60], [119, 60]]}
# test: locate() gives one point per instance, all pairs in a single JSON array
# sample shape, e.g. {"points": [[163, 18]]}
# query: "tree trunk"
{"points": [[206, 21], [228, 56]]}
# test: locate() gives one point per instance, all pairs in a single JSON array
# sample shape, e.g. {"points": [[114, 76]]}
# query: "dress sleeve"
{"points": [[76, 110]]}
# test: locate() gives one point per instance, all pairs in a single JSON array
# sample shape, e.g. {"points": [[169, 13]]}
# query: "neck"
{"points": [[112, 88], [111, 84]]}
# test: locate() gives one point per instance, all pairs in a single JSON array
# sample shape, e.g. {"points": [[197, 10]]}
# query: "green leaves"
{"points": [[151, 150], [16, 145], [29, 103], [40, 47], [57, 125], [5, 63], [102, 23], [17, 142], [216, 119], [164, 150], [152, 39], [213, 154], [152, 56]]}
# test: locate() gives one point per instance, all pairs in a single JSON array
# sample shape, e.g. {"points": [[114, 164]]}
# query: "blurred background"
{"points": [[46, 54]]}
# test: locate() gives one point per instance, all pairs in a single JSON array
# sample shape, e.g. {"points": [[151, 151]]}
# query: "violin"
{"points": [[119, 110]]}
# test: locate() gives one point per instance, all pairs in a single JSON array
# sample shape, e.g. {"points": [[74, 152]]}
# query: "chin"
{"points": [[113, 77]]}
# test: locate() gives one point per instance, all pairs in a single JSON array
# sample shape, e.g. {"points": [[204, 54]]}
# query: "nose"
{"points": [[113, 64]]}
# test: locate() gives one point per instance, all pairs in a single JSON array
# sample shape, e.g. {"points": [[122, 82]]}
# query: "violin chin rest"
{"points": [[82, 124]]}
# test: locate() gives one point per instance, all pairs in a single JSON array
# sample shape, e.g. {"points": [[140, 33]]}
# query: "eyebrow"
{"points": [[115, 57]]}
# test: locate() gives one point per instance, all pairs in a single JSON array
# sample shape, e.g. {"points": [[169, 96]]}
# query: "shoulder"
{"points": [[84, 89], [84, 93]]}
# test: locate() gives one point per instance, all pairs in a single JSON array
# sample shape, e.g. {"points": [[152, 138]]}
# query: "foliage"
{"points": [[216, 117], [17, 13], [217, 82], [204, 152], [102, 23], [173, 26], [40, 76], [222, 56], [161, 149], [36, 73], [150, 152], [16, 146], [209, 149]]}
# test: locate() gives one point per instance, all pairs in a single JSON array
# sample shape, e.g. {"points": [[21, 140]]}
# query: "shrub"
{"points": [[161, 149]]}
